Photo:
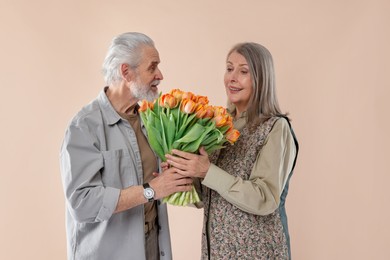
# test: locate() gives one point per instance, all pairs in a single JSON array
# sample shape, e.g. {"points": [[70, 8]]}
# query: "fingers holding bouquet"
{"points": [[169, 182], [164, 166], [189, 164]]}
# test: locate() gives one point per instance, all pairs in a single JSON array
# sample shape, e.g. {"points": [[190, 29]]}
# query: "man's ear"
{"points": [[127, 73]]}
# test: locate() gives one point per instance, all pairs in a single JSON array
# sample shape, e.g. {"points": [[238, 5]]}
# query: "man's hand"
{"points": [[168, 182]]}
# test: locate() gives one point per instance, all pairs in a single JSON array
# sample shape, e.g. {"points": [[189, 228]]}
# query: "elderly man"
{"points": [[108, 168]]}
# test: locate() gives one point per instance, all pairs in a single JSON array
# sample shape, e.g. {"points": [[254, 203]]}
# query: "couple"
{"points": [[109, 175]]}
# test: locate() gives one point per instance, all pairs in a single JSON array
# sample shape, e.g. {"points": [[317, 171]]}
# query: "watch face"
{"points": [[149, 193]]}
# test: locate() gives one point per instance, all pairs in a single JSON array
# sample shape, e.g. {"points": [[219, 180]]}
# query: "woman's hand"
{"points": [[164, 166], [189, 164]]}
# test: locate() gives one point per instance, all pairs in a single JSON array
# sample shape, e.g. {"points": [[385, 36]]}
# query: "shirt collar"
{"points": [[239, 123], [108, 110]]}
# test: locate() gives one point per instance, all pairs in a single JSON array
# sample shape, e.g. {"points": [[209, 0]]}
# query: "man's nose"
{"points": [[159, 75]]}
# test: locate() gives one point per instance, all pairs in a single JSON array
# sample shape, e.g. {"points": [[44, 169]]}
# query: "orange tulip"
{"points": [[232, 135], [209, 112], [167, 100], [222, 117], [144, 105], [189, 95], [229, 121], [202, 100], [201, 111], [219, 110], [188, 106], [220, 120], [177, 93]]}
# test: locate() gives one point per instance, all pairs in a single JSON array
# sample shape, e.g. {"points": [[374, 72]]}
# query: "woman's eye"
{"points": [[229, 69], [244, 72]]}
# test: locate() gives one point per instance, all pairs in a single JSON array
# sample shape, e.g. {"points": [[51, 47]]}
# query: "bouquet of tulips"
{"points": [[185, 121]]}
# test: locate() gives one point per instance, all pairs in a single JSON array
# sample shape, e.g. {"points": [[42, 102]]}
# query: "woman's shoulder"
{"points": [[281, 125], [282, 121]]}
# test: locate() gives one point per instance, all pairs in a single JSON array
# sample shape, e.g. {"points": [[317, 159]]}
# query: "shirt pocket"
{"points": [[119, 169]]}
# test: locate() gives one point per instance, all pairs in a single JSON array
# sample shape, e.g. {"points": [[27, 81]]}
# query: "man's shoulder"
{"points": [[88, 115]]}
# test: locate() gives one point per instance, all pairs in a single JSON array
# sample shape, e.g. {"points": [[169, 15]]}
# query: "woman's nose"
{"points": [[232, 76]]}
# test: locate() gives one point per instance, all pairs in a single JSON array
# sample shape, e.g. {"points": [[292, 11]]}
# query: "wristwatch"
{"points": [[148, 192]]}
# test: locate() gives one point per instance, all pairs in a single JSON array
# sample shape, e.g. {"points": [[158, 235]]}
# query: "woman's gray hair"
{"points": [[263, 103], [124, 49]]}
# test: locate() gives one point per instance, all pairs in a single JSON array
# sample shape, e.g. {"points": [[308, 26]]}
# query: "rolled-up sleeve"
{"points": [[88, 200], [260, 194]]}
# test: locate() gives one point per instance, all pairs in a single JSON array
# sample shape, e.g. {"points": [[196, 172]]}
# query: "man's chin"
{"points": [[154, 91], [151, 95]]}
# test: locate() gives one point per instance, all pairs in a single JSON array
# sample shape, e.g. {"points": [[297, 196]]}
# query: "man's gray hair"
{"points": [[124, 49]]}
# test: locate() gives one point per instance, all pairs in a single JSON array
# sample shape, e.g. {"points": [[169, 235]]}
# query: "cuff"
{"points": [[218, 180], [110, 200]]}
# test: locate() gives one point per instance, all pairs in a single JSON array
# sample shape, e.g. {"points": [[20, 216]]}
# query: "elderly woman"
{"points": [[244, 186]]}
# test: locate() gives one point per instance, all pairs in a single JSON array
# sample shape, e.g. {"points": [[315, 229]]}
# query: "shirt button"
{"points": [[162, 253]]}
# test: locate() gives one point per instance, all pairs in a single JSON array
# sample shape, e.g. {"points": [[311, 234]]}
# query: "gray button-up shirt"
{"points": [[99, 157]]}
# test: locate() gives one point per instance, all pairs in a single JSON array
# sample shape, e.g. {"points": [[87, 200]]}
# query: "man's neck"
{"points": [[120, 98]]}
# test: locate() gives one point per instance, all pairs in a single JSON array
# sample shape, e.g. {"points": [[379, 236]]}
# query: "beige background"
{"points": [[332, 63]]}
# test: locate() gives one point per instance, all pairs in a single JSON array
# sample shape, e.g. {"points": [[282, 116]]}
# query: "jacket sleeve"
{"points": [[81, 162], [260, 194]]}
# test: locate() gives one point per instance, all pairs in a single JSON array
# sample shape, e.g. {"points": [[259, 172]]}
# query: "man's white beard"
{"points": [[142, 92]]}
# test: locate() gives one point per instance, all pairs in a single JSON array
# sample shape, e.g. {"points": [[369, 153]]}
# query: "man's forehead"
{"points": [[150, 55]]}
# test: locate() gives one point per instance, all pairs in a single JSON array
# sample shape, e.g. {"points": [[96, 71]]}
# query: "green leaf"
{"points": [[215, 136], [157, 108], [195, 195], [194, 146], [205, 121], [181, 125], [182, 198], [193, 134], [143, 117], [170, 131], [190, 147], [212, 148], [174, 113], [186, 124], [179, 116], [223, 129], [155, 141], [212, 136], [164, 140], [151, 118]]}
